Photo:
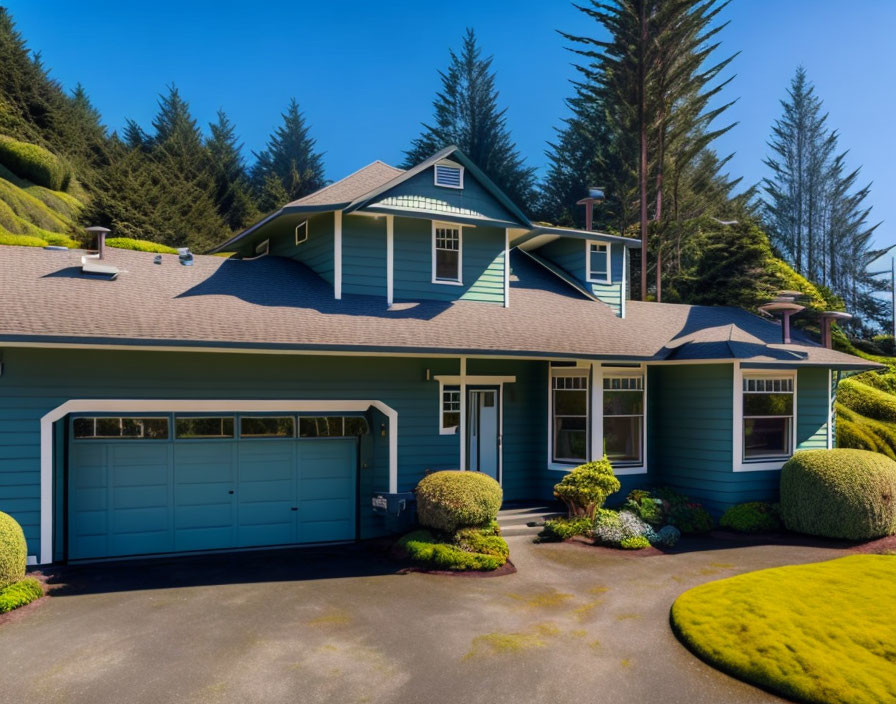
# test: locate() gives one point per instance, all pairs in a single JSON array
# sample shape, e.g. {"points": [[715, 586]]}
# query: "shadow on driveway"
{"points": [[258, 566]]}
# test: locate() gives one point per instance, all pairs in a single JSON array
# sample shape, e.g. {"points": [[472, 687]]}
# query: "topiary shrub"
{"points": [[842, 493], [752, 517], [450, 500], [19, 594], [13, 551], [34, 163], [586, 487]]}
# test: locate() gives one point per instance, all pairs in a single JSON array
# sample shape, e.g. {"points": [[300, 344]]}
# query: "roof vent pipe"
{"points": [[827, 318], [595, 195], [100, 233], [786, 306]]}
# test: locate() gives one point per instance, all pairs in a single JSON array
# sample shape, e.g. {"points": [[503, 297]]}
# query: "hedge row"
{"points": [[34, 163]]}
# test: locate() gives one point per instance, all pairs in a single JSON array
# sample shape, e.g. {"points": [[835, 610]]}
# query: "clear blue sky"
{"points": [[365, 73]]}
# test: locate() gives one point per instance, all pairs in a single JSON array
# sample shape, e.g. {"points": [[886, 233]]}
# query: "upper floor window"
{"points": [[446, 254], [449, 176], [767, 416], [598, 262], [302, 232]]}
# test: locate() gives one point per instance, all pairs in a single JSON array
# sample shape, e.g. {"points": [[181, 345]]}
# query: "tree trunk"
{"points": [[642, 126]]}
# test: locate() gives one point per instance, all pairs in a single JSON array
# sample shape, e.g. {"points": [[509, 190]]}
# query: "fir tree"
{"points": [[466, 114], [231, 183], [290, 157]]}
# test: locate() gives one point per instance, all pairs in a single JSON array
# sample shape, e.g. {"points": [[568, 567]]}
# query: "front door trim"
{"points": [[186, 406], [498, 389]]}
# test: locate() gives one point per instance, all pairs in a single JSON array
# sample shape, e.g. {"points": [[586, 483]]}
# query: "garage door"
{"points": [[166, 484]]}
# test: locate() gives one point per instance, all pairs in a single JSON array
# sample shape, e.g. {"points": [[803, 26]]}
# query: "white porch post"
{"points": [[597, 412]]}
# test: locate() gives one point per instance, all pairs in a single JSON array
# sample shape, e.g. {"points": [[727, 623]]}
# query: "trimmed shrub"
{"points": [[450, 500], [667, 536], [867, 400], [21, 240], [34, 163], [615, 528], [139, 245], [639, 542], [13, 550], [752, 517], [19, 594], [691, 518], [842, 493], [558, 529], [586, 487], [491, 553]]}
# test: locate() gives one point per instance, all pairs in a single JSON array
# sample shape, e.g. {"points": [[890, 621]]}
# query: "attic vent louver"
{"points": [[449, 176]]}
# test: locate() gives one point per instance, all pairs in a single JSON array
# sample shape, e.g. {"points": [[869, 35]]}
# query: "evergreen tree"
{"points": [[814, 210], [290, 157], [651, 82], [231, 183], [466, 114]]}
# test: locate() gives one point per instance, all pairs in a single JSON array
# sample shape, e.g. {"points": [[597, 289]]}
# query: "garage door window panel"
{"points": [[267, 427], [120, 428], [204, 428]]}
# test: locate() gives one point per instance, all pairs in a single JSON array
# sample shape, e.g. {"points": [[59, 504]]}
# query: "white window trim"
{"points": [[261, 250], [306, 223], [131, 406], [442, 429], [435, 175], [588, 277], [741, 465], [596, 372], [460, 253], [474, 380]]}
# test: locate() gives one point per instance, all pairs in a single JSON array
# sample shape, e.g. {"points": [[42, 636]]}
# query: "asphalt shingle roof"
{"points": [[353, 186], [274, 302]]}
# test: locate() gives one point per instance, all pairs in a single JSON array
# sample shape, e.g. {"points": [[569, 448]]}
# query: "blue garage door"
{"points": [[157, 491]]}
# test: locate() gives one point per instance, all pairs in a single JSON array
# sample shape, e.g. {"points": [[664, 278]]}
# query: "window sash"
{"points": [[447, 253], [598, 262], [569, 430], [767, 407], [450, 409]]}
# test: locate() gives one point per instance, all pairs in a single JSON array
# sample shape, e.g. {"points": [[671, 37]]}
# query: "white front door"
{"points": [[483, 431]]}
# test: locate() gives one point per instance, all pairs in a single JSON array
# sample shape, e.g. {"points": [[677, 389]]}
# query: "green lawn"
{"points": [[823, 632]]}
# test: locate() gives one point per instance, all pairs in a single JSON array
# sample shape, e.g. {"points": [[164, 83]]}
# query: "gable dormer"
{"points": [[595, 262]]}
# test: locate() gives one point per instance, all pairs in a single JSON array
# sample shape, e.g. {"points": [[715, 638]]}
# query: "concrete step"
{"points": [[525, 520]]}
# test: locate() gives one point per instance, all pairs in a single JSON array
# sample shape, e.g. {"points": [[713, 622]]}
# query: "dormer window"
{"points": [[446, 254], [449, 176], [598, 262]]}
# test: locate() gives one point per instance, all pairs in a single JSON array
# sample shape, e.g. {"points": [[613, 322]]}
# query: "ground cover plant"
{"points": [[813, 633], [752, 517], [457, 512], [19, 594], [841, 493]]}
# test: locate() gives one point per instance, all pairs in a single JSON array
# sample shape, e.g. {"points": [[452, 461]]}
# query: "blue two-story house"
{"points": [[391, 323]]}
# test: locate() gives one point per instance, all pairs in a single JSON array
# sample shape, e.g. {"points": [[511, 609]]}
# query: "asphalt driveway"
{"points": [[339, 625]]}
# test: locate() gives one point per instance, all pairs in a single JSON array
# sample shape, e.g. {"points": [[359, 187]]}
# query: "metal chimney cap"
{"points": [[781, 307], [98, 229], [836, 315]]}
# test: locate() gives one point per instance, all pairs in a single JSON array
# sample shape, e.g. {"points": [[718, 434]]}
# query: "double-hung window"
{"points": [[598, 262], [446, 253], [623, 407], [569, 419], [767, 417]]}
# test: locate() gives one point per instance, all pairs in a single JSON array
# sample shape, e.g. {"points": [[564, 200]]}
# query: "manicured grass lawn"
{"points": [[823, 632]]}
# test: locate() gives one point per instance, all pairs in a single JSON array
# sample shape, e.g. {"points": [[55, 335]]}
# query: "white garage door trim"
{"points": [[82, 405]]}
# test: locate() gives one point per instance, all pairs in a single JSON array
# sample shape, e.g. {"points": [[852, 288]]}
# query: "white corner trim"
{"points": [[463, 413], [185, 406], [460, 253], [337, 255], [390, 259], [591, 280], [506, 267], [831, 397], [739, 465], [623, 294]]}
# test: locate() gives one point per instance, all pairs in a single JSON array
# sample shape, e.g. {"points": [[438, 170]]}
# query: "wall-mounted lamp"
{"points": [[383, 431]]}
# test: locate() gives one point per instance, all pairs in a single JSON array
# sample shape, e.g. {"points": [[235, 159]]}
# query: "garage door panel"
{"points": [[142, 497]]}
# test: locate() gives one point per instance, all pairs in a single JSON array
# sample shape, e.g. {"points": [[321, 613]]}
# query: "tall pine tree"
{"points": [[291, 158], [232, 191], [466, 114]]}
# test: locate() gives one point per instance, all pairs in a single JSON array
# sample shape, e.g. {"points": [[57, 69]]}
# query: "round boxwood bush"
{"points": [[34, 163], [13, 551], [840, 493], [450, 500], [752, 517]]}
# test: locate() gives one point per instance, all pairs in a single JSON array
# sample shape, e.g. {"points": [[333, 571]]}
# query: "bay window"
{"points": [[623, 407], [569, 418], [767, 417]]}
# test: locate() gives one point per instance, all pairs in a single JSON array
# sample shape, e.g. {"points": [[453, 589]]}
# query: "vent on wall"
{"points": [[449, 176]]}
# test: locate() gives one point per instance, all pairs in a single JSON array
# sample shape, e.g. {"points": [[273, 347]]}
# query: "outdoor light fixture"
{"points": [[595, 195]]}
